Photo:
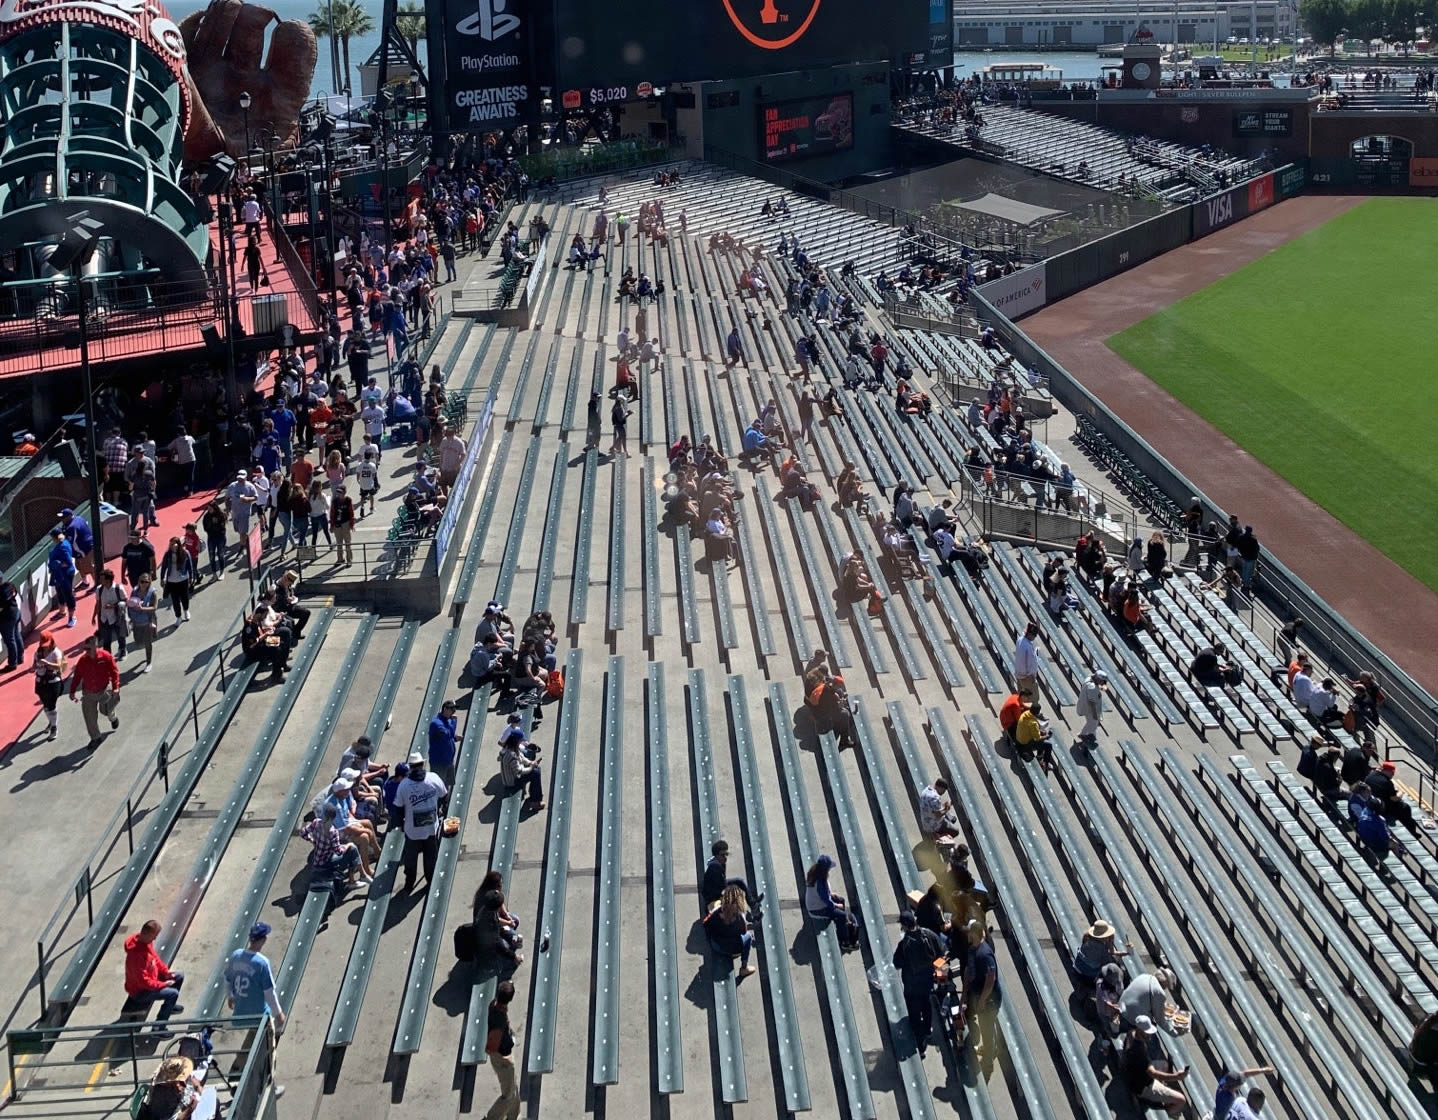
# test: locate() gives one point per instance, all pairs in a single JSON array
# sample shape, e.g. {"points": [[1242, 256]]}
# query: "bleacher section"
{"points": [[683, 721], [1057, 146]]}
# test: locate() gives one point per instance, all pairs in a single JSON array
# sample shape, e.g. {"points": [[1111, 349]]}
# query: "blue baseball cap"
{"points": [[259, 930]]}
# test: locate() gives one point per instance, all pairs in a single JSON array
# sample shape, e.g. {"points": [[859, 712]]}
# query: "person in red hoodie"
{"points": [[147, 979], [96, 678]]}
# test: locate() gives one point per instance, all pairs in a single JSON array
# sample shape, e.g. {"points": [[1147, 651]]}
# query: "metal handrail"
{"points": [[155, 768]]}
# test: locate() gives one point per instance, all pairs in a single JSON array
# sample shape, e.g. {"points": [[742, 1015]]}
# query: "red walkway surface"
{"points": [[31, 347], [1394, 610], [18, 704]]}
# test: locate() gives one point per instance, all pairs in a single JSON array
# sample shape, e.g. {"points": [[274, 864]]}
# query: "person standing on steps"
{"points": [[443, 740], [914, 958], [619, 416], [11, 635], [1091, 706], [342, 519], [97, 680], [592, 423], [250, 986], [50, 669], [419, 795], [82, 543], [499, 1045], [1026, 660]]}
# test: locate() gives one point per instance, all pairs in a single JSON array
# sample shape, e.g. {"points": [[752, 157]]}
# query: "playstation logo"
{"points": [[490, 22]]}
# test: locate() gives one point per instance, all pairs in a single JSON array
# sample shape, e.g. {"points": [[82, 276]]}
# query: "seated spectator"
{"points": [[1010, 711], [726, 925], [756, 443], [359, 758], [912, 403], [854, 581], [1033, 733], [1365, 813], [1210, 669], [828, 698], [716, 880], [899, 547], [333, 856], [1361, 719], [266, 644], [147, 978], [1150, 1079], [1357, 762], [941, 516], [1323, 704], [851, 490], [1393, 807], [1096, 949], [495, 941], [494, 620], [1108, 990], [936, 815], [1423, 1047], [490, 659], [905, 511], [824, 905], [929, 911], [519, 768], [719, 538], [794, 483]]}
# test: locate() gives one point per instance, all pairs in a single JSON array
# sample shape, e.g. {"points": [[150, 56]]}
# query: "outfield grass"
{"points": [[1318, 358]]}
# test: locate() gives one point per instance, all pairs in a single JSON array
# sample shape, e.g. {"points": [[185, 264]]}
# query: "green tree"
{"points": [[412, 24], [1325, 20], [1367, 20], [1404, 16], [344, 20]]}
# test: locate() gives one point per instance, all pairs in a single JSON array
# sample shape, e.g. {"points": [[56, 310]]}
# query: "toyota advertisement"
{"points": [[487, 61], [603, 47], [802, 129]]}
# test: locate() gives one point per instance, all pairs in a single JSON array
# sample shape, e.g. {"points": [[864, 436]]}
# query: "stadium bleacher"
{"points": [[683, 721]]}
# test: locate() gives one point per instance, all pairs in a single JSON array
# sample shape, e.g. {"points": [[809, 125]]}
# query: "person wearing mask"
{"points": [[147, 978], [914, 958], [97, 681], [420, 794], [177, 572]]}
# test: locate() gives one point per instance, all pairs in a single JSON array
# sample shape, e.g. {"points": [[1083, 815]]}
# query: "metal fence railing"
{"points": [[116, 842]]}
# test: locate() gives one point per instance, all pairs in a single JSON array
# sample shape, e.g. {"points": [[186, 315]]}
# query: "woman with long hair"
{"points": [[49, 666], [824, 905]]}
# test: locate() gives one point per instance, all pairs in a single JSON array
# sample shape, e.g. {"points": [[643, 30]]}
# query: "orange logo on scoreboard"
{"points": [[771, 28]]}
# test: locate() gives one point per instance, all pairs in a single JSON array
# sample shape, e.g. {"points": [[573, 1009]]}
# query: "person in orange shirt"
{"points": [[1299, 664], [320, 417], [1011, 709], [302, 470]]}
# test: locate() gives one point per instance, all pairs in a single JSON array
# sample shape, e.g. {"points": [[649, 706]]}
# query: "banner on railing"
{"points": [[444, 534], [1019, 292]]}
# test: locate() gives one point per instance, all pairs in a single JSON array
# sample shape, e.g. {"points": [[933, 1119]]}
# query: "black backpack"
{"points": [[466, 944]]}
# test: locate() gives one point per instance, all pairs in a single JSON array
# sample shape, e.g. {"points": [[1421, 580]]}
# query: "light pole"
{"points": [[77, 245], [414, 97], [245, 106]]}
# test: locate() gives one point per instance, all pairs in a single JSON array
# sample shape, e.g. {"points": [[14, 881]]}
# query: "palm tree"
{"points": [[412, 25], [320, 25], [343, 20]]}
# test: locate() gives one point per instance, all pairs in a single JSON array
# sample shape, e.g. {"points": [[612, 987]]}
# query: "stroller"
{"points": [[176, 1091]]}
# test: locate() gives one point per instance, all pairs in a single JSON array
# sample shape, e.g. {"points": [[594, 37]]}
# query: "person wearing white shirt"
{"points": [[1323, 701], [1302, 688], [1026, 660], [936, 818], [944, 544], [250, 215], [419, 795]]}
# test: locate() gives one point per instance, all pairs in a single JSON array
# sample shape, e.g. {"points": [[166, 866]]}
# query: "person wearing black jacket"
{"points": [[715, 880], [914, 959]]}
